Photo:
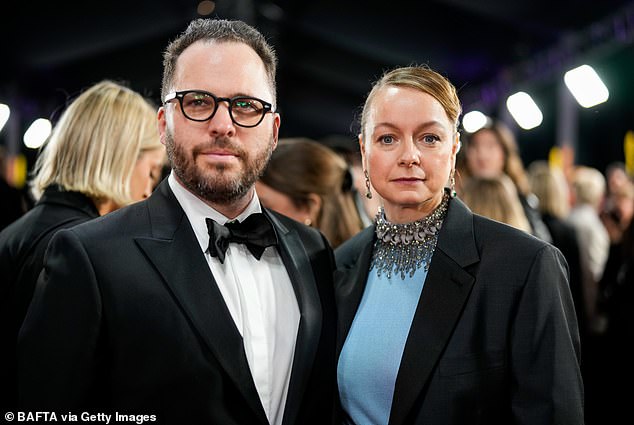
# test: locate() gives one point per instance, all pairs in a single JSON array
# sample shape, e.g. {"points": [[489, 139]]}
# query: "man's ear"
{"points": [[277, 120], [162, 123]]}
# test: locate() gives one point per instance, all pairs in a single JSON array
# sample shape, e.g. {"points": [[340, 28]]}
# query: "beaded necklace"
{"points": [[403, 248]]}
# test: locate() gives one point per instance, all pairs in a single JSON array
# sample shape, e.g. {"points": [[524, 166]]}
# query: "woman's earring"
{"points": [[308, 221], [452, 184], [368, 192]]}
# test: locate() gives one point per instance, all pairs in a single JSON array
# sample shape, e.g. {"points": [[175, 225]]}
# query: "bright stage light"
{"points": [[524, 110], [586, 86], [37, 133]]}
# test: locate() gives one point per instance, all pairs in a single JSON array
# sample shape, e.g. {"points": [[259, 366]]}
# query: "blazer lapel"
{"points": [[446, 290], [300, 271], [174, 251], [350, 285]]}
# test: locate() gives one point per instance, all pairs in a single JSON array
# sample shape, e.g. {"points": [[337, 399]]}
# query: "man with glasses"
{"points": [[197, 305]]}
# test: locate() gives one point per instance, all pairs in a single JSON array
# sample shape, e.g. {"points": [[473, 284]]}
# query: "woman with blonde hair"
{"points": [[105, 146], [310, 183], [550, 186], [492, 151], [103, 153], [445, 316], [496, 198]]}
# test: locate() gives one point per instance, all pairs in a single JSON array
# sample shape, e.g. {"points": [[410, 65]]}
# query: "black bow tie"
{"points": [[256, 232]]}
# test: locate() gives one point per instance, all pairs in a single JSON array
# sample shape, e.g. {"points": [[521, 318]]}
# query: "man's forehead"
{"points": [[221, 63]]}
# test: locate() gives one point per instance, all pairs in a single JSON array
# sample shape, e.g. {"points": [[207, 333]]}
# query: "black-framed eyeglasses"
{"points": [[199, 105]]}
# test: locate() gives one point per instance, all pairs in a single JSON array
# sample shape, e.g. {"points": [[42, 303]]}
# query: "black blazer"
{"points": [[22, 247], [127, 317], [494, 338]]}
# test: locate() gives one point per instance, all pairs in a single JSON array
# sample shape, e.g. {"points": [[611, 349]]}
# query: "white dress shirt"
{"points": [[260, 298]]}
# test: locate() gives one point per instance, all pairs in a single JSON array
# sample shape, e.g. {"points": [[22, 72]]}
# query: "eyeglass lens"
{"points": [[244, 110]]}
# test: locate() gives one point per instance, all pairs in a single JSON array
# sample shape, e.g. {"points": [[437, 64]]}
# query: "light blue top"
{"points": [[371, 356]]}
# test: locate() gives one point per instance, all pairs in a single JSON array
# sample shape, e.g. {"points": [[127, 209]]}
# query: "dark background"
{"points": [[331, 51]]}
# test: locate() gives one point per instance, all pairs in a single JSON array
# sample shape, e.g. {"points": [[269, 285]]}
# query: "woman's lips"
{"points": [[407, 180]]}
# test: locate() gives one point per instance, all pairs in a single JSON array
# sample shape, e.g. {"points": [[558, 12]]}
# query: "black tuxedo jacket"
{"points": [[127, 317], [494, 338], [22, 247]]}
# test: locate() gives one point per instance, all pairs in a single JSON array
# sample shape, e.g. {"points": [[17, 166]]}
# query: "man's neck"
{"points": [[231, 209]]}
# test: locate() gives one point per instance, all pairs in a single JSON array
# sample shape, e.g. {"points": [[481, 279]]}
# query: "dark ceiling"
{"points": [[330, 51]]}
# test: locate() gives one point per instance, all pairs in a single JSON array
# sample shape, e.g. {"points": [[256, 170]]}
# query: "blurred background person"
{"points": [[310, 183], [588, 191], [551, 188], [616, 177], [613, 368], [104, 153], [13, 201], [616, 216], [495, 198], [492, 151], [366, 198], [618, 206]]}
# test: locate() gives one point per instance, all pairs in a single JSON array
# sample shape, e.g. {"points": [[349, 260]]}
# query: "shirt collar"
{"points": [[197, 211]]}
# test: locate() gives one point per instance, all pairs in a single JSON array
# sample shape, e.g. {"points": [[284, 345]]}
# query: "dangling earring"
{"points": [[452, 184], [308, 221], [368, 192]]}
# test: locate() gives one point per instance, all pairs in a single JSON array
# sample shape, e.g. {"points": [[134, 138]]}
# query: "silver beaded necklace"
{"points": [[403, 248]]}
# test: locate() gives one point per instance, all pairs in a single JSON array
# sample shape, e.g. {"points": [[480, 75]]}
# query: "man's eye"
{"points": [[245, 105], [197, 100]]}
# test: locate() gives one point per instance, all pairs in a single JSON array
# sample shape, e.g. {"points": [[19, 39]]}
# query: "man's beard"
{"points": [[217, 187]]}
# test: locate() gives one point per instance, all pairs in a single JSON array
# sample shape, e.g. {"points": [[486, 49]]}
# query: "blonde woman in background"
{"points": [[588, 190], [495, 198], [105, 147], [493, 151], [550, 186], [310, 183], [104, 153]]}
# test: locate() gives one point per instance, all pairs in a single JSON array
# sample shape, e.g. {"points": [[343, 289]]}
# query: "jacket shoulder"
{"points": [[312, 239], [504, 237], [128, 220], [347, 254]]}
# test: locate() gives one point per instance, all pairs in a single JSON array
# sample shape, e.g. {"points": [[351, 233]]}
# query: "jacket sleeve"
{"points": [[58, 341], [546, 384]]}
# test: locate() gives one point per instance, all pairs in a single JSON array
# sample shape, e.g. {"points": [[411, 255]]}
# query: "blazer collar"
{"points": [[299, 269], [174, 250], [444, 295], [55, 195]]}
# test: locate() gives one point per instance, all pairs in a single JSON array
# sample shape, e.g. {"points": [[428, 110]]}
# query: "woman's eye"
{"points": [[387, 139], [430, 139]]}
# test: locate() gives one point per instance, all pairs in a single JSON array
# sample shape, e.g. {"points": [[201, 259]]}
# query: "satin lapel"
{"points": [[349, 286], [175, 253], [444, 295], [300, 271]]}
